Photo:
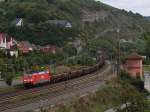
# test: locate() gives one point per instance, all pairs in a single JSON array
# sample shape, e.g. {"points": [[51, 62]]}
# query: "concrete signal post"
{"points": [[118, 52]]}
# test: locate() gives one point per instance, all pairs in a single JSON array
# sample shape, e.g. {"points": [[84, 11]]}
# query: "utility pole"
{"points": [[118, 52]]}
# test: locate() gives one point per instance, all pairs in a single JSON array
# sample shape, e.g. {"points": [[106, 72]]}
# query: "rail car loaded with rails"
{"points": [[46, 76]]}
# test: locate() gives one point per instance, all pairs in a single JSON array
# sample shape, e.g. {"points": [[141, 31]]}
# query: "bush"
{"points": [[139, 84], [85, 60], [9, 78], [113, 96]]}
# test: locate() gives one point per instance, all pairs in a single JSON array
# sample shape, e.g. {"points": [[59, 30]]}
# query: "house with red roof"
{"points": [[25, 47], [50, 49], [133, 65]]}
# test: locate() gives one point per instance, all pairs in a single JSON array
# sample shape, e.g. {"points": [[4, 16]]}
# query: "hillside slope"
{"points": [[94, 18]]}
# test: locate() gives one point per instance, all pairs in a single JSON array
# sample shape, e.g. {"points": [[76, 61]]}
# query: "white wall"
{"points": [[147, 81]]}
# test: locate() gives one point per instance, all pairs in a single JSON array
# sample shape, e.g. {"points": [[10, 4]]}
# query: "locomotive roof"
{"points": [[37, 73]]}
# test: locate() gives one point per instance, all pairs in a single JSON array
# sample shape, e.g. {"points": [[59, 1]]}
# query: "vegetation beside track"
{"points": [[13, 100], [113, 95], [116, 93], [7, 90], [146, 67]]}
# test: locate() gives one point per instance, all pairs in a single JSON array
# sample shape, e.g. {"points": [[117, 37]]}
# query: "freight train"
{"points": [[45, 76]]}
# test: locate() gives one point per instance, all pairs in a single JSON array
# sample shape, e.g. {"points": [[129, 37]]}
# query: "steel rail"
{"points": [[12, 100]]}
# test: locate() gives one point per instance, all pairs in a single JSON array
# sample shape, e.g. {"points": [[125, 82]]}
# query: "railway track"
{"points": [[32, 95], [60, 78]]}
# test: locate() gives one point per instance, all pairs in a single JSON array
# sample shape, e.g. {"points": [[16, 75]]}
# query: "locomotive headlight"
{"points": [[28, 80]]}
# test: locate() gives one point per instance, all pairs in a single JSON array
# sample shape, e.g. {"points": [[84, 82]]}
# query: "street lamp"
{"points": [[118, 52]]}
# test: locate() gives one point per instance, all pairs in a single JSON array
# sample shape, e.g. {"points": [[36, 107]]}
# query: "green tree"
{"points": [[70, 49], [8, 74], [147, 39], [104, 45]]}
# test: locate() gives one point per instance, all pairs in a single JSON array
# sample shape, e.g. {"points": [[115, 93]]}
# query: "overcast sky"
{"points": [[140, 6]]}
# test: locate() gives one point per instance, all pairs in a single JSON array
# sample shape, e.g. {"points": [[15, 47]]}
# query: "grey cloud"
{"points": [[140, 6]]}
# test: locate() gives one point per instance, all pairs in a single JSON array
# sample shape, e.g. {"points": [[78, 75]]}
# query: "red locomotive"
{"points": [[36, 78]]}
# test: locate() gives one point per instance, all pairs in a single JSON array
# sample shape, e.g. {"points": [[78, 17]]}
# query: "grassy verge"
{"points": [[113, 95], [7, 90], [146, 67], [148, 106]]}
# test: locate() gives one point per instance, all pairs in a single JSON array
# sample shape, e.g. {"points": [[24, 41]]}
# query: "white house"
{"points": [[18, 22], [6, 42], [79, 44], [61, 23], [68, 25], [14, 53], [3, 43]]}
